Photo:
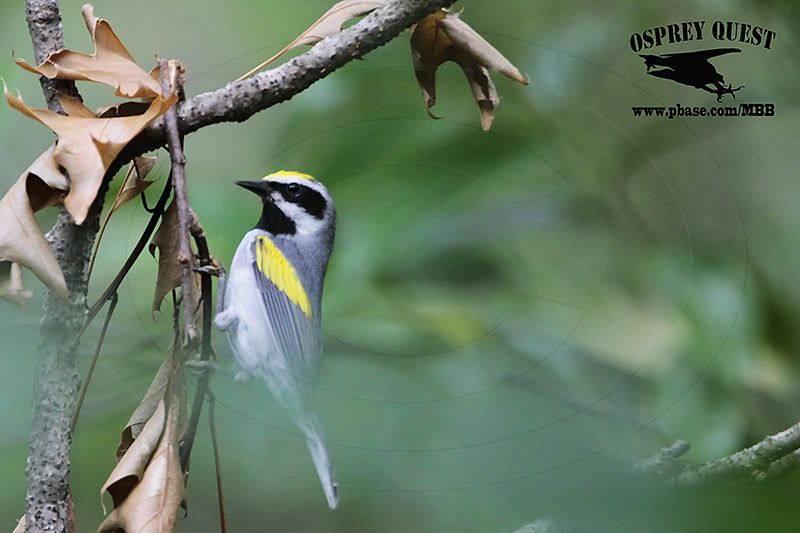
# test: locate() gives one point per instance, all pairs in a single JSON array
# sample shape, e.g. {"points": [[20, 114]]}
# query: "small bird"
{"points": [[270, 303]]}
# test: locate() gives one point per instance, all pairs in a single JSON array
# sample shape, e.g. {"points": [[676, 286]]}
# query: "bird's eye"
{"points": [[293, 189]]}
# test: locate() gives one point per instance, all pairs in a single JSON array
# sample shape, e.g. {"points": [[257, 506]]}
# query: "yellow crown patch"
{"points": [[289, 174], [274, 265]]}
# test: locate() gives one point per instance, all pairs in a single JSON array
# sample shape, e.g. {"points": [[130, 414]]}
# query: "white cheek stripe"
{"points": [[305, 223]]}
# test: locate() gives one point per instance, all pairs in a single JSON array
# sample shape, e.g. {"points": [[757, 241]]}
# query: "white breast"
{"points": [[251, 336]]}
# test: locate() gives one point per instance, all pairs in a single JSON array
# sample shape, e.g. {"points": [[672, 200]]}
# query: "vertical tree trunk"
{"points": [[48, 502]]}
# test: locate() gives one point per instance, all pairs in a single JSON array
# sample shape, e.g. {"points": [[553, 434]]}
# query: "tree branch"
{"points": [[771, 456], [48, 501], [171, 72], [236, 102]]}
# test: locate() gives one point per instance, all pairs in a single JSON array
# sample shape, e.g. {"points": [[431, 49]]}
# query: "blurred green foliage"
{"points": [[513, 318]]}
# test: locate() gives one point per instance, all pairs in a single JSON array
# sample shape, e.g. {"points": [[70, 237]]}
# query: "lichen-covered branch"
{"points": [[48, 502], [771, 457], [236, 102]]}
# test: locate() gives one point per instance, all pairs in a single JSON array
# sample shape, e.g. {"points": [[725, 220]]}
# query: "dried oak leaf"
{"points": [[87, 144], [133, 185], [135, 182], [146, 409], [11, 287], [110, 64], [330, 23], [147, 486], [443, 36], [21, 239], [169, 265]]}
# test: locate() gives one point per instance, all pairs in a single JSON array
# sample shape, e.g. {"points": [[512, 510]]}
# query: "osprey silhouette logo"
{"points": [[693, 69]]}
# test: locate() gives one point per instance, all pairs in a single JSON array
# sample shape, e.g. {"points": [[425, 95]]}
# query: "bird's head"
{"points": [[293, 204]]}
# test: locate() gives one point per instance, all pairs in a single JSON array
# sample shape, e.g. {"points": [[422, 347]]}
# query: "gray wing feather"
{"points": [[297, 337]]}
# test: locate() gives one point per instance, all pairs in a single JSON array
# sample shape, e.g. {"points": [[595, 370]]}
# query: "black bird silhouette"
{"points": [[693, 69]]}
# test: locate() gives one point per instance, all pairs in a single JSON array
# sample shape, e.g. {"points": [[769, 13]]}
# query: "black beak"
{"points": [[261, 188]]}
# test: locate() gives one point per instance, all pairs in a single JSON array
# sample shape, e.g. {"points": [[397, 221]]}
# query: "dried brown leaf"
{"points": [[87, 145], [135, 181], [147, 486], [330, 23], [146, 408], [21, 525], [21, 239], [51, 186], [470, 42], [110, 64], [169, 265], [11, 287], [132, 186], [443, 36]]}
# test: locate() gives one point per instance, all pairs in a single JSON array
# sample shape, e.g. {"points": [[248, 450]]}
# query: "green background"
{"points": [[513, 318]]}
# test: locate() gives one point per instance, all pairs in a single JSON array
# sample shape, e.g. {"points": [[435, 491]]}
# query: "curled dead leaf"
{"points": [[330, 23], [146, 408], [135, 182], [21, 239], [110, 64], [87, 144], [133, 185], [443, 36], [169, 265], [11, 287], [22, 524], [147, 486]]}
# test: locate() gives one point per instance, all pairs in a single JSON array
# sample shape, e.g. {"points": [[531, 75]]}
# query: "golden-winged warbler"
{"points": [[270, 302]]}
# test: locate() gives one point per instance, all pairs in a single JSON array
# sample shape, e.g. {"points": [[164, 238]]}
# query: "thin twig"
{"points": [[90, 373], [217, 465], [111, 290], [752, 462], [170, 84], [207, 356], [665, 461]]}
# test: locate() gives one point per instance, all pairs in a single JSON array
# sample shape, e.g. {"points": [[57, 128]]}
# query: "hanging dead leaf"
{"points": [[110, 64], [51, 186], [133, 185], [11, 287], [443, 36], [21, 525], [146, 409], [328, 24], [21, 243], [87, 145], [169, 266], [147, 486], [135, 181], [21, 239]]}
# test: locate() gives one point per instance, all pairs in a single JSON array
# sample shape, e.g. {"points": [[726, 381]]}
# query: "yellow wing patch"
{"points": [[274, 265], [289, 174]]}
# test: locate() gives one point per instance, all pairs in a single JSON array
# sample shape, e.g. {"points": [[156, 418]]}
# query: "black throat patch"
{"points": [[275, 221]]}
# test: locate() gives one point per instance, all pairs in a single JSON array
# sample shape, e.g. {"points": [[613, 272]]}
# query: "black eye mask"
{"points": [[310, 200]]}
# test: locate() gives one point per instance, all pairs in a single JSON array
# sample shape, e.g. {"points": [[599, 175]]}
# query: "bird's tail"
{"points": [[311, 428]]}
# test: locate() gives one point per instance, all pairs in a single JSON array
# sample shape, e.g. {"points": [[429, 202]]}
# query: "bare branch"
{"points": [[665, 461], [236, 102], [753, 462], [171, 83]]}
